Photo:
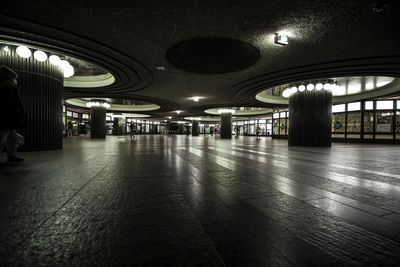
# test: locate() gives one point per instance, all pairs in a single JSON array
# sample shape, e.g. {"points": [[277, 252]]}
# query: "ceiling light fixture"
{"points": [[6, 49], [196, 99], [54, 60], [281, 39], [40, 56], [226, 110], [97, 104], [310, 87], [24, 51]]}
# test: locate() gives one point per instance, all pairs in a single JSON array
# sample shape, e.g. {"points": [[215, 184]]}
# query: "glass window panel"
{"points": [[276, 115], [398, 122], [262, 121], [338, 108], [368, 121], [354, 122], [369, 105], [384, 104], [69, 113], [398, 104], [354, 106], [275, 126], [251, 122], [282, 127], [283, 114], [384, 122], [338, 122]]}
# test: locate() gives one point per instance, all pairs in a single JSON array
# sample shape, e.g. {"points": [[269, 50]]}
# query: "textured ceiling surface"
{"points": [[130, 39]]}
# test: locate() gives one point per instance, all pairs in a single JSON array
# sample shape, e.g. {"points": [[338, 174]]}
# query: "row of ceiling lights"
{"points": [[97, 104], [301, 88], [41, 56]]}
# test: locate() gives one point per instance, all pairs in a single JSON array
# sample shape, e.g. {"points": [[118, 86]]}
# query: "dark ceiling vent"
{"points": [[212, 55]]}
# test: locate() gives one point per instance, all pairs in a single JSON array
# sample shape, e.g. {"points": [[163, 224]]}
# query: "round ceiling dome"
{"points": [[212, 55]]}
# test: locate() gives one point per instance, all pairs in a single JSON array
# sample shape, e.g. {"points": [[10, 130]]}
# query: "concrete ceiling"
{"points": [[130, 39]]}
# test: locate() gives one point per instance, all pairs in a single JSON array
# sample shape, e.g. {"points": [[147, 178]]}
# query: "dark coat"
{"points": [[11, 112]]}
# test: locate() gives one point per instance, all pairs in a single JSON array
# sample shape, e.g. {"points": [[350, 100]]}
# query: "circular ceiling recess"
{"points": [[212, 55]]}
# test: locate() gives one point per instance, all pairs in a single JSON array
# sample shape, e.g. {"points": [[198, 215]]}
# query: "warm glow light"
{"points": [[97, 104], [302, 88], [178, 112], [40, 55], [319, 86], [54, 60], [24, 51], [196, 99], [169, 117], [338, 90], [226, 110], [293, 90], [286, 93], [69, 71], [281, 39], [327, 86], [310, 86]]}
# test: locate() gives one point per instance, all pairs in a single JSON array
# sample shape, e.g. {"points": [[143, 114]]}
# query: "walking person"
{"points": [[69, 128], [258, 132], [237, 131], [12, 114], [133, 132]]}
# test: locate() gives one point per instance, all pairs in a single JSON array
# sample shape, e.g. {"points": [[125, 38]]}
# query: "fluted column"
{"points": [[310, 118], [195, 128], [226, 125], [98, 122], [41, 91], [115, 130]]}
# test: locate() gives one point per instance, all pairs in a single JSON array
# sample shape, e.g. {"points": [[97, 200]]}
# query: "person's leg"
{"points": [[12, 146], [3, 139]]}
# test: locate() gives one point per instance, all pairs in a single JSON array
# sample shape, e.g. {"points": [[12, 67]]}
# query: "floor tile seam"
{"points": [[318, 176], [332, 164], [362, 226], [55, 212], [306, 185], [356, 208], [304, 236], [338, 173], [251, 170], [303, 200], [64, 169]]}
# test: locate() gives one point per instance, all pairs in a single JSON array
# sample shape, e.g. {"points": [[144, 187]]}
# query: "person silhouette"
{"points": [[12, 113]]}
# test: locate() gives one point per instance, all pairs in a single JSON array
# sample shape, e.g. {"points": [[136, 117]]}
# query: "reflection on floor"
{"points": [[201, 201]]}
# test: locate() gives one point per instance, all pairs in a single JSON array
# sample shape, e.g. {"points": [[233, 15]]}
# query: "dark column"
{"points": [[181, 128], [98, 122], [195, 128], [115, 127], [41, 90], [226, 125], [310, 118]]}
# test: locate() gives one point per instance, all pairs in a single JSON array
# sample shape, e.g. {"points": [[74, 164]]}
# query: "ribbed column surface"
{"points": [[97, 122], [195, 128], [310, 118], [226, 125], [41, 91]]}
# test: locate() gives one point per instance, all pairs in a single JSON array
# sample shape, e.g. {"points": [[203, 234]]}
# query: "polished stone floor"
{"points": [[201, 201]]}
